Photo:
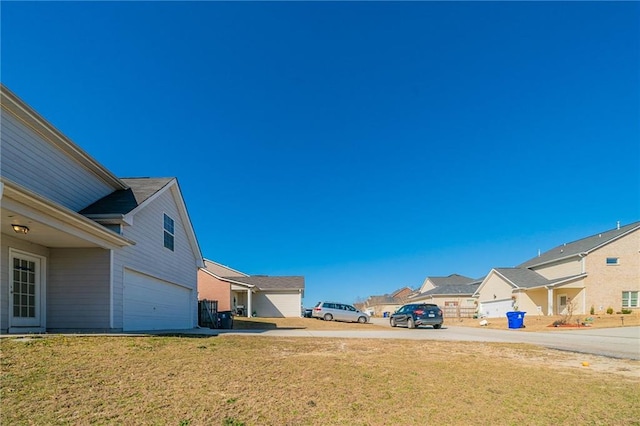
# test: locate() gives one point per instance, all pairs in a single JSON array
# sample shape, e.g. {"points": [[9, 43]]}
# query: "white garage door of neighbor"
{"points": [[277, 305], [497, 308], [153, 304]]}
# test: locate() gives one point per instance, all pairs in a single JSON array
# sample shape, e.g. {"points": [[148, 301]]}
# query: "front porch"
{"points": [[551, 301]]}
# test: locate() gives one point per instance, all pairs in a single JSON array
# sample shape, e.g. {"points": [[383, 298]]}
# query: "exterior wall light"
{"points": [[20, 229]]}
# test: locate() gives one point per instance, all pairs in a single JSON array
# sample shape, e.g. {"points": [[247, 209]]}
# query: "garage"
{"points": [[277, 305], [153, 304], [496, 308]]}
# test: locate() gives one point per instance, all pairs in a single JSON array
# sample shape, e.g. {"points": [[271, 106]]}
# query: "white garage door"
{"points": [[277, 305], [497, 308], [152, 304]]}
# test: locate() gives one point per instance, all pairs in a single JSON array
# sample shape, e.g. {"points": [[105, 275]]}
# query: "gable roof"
{"points": [[381, 300], [121, 206], [453, 279], [401, 293], [451, 290], [124, 201], [264, 282], [580, 247], [219, 270], [523, 278]]}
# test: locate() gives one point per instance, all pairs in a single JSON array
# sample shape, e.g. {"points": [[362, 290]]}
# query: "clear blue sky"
{"points": [[363, 145]]}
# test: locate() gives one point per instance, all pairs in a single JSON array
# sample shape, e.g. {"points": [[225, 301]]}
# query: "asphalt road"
{"points": [[623, 342]]}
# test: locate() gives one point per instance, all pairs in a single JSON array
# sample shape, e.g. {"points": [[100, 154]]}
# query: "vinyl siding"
{"points": [[149, 256], [30, 161], [276, 305], [78, 289], [560, 269], [7, 242], [495, 288]]}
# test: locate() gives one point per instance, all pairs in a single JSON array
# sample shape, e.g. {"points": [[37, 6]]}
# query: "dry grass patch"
{"points": [[544, 323], [248, 380], [242, 323]]}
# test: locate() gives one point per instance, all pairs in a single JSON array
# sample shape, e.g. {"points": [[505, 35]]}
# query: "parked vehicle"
{"points": [[331, 311], [416, 314], [306, 312]]}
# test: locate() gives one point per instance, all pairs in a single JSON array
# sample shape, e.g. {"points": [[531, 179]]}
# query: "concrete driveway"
{"points": [[623, 342]]}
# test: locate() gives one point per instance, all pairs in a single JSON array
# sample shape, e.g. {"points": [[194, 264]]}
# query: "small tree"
{"points": [[568, 312]]}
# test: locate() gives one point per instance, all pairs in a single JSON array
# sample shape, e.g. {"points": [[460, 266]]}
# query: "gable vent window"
{"points": [[168, 232], [613, 261]]}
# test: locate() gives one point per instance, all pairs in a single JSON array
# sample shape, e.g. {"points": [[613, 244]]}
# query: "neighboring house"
{"points": [[211, 285], [402, 294], [82, 249], [432, 282], [455, 299], [453, 293], [378, 305], [251, 295], [597, 272]]}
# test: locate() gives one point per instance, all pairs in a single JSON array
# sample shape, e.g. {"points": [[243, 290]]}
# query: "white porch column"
{"points": [[549, 301], [249, 308]]}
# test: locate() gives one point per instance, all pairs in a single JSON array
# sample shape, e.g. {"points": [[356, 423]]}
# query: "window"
{"points": [[613, 261], [629, 299], [168, 232]]}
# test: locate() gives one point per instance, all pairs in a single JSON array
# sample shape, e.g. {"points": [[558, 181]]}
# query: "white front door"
{"points": [[26, 290], [562, 304]]}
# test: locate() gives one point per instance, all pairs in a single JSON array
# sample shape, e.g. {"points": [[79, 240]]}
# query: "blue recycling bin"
{"points": [[516, 319]]}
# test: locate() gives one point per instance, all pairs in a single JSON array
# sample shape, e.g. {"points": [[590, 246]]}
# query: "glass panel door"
{"points": [[25, 291]]}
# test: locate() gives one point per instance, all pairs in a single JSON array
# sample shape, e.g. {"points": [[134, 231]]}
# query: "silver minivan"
{"points": [[332, 311]]}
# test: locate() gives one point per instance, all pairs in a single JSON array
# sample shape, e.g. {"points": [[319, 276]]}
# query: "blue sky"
{"points": [[363, 145]]}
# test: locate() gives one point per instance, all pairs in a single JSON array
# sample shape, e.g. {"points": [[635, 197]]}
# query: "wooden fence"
{"points": [[208, 313], [459, 311]]}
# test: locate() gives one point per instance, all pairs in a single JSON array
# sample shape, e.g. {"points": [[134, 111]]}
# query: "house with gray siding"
{"points": [[84, 250]]}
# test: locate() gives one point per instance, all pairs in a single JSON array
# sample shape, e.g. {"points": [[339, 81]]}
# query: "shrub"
{"points": [[592, 310], [610, 310], [626, 311]]}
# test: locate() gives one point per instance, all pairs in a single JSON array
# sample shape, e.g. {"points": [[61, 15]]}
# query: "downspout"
{"points": [[583, 267], [583, 262]]}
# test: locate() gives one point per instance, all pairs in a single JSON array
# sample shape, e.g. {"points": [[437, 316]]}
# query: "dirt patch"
{"points": [[545, 323]]}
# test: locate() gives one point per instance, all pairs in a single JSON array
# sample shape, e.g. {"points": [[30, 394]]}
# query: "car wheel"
{"points": [[392, 322], [362, 320], [328, 317], [437, 326], [410, 323]]}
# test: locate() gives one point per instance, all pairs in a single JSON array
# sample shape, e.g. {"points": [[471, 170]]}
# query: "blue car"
{"points": [[416, 314]]}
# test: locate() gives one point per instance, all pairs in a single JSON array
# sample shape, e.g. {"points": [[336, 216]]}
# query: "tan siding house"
{"points": [[597, 272]]}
